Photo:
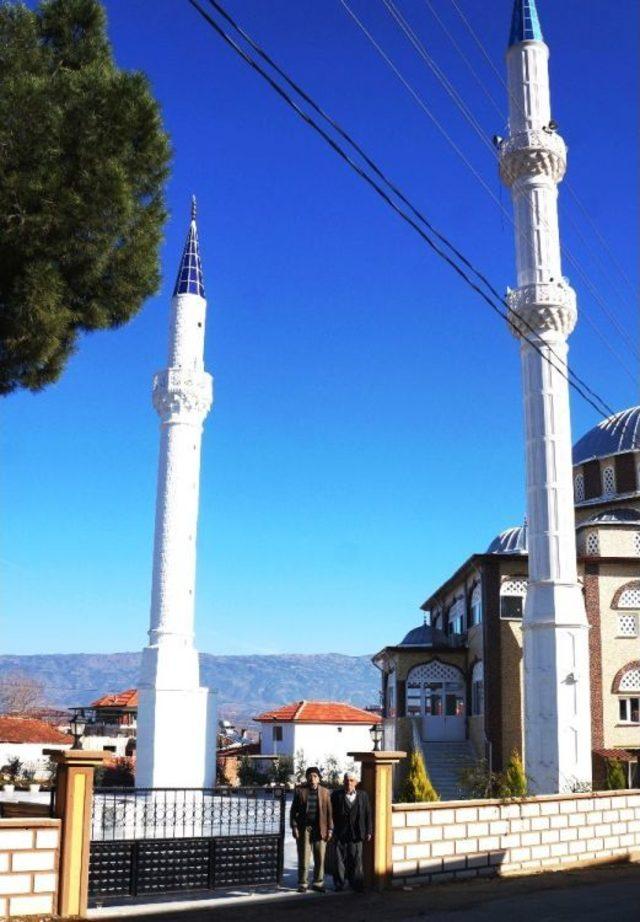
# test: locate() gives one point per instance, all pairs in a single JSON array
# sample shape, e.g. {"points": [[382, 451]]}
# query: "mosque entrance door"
{"points": [[436, 694]]}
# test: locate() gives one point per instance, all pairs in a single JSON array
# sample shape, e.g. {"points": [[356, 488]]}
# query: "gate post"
{"points": [[73, 805], [377, 772]]}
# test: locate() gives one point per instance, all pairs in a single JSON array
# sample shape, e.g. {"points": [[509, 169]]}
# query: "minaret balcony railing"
{"points": [[532, 152], [545, 307], [182, 394]]}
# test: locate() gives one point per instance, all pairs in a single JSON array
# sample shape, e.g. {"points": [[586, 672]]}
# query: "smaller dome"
{"points": [[424, 636], [510, 541], [613, 517]]}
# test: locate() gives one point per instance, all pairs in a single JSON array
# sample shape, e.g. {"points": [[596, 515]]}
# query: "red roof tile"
{"points": [[124, 699], [320, 712], [622, 754], [29, 730]]}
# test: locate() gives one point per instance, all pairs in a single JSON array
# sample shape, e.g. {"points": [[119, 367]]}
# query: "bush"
{"points": [[249, 775], [12, 770], [512, 783], [117, 773], [616, 778], [417, 787], [478, 782]]}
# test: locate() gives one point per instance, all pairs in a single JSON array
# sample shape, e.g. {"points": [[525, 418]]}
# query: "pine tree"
{"points": [[513, 781], [82, 172], [417, 787], [616, 780]]}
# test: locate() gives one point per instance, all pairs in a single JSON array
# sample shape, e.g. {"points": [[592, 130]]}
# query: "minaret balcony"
{"points": [[182, 395], [546, 307], [531, 153]]}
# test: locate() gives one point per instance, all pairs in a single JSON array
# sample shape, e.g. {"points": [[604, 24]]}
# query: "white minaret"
{"points": [[176, 718], [543, 307]]}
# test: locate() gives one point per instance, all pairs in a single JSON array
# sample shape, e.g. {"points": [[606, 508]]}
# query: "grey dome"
{"points": [[424, 636], [511, 541], [617, 433], [622, 516]]}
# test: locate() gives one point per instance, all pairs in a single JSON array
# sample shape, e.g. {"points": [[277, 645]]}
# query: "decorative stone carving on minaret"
{"points": [[557, 738], [176, 715]]}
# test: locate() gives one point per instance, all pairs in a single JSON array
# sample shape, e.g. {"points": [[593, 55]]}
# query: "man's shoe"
{"points": [[302, 888], [319, 888]]}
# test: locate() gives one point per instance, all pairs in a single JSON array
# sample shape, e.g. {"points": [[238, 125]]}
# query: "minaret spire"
{"points": [[525, 23], [543, 312], [170, 694]]}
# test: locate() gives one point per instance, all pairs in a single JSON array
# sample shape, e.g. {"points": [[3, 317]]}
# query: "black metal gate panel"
{"points": [[152, 842]]}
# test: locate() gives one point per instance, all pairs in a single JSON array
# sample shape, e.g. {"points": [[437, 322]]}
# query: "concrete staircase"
{"points": [[444, 762]]}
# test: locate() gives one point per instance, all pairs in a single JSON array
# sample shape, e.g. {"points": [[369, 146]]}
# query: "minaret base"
{"points": [[556, 678], [177, 738]]}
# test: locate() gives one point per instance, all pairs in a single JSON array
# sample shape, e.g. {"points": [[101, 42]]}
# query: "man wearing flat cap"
{"points": [[352, 827], [311, 824]]}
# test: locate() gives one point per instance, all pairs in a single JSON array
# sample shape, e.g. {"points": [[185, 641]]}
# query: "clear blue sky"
{"points": [[367, 431]]}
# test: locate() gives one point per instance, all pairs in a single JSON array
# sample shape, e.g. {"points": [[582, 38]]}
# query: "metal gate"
{"points": [[147, 841]]}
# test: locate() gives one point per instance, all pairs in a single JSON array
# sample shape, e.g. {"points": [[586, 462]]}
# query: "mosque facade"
{"points": [[459, 676]]}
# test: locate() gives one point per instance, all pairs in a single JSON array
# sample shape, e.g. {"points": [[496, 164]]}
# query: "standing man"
{"points": [[311, 825], [352, 827]]}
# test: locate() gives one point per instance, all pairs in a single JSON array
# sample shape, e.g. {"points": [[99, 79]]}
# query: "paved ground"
{"points": [[601, 894]]}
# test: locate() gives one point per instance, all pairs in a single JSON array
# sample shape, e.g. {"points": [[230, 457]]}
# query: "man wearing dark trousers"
{"points": [[311, 826], [352, 825]]}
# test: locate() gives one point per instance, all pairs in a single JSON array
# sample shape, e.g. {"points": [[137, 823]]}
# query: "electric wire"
{"points": [[565, 372], [568, 184], [470, 117]]}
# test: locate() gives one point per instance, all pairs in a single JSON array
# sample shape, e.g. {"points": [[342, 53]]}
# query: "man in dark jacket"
{"points": [[311, 824], [352, 825]]}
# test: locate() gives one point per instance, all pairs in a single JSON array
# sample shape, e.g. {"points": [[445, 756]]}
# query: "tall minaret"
{"points": [[176, 720], [543, 308]]}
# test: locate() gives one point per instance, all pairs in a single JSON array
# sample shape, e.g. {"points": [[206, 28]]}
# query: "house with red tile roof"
{"points": [[111, 722], [317, 732], [26, 738]]}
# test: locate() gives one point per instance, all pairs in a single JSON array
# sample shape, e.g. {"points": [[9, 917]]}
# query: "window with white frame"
{"points": [[513, 593], [476, 605], [456, 617], [629, 710], [578, 487], [627, 624], [608, 481], [592, 543], [477, 690]]}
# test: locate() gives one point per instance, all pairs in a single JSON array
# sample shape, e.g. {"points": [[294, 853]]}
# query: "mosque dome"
{"points": [[622, 516], [617, 433], [424, 636], [511, 541]]}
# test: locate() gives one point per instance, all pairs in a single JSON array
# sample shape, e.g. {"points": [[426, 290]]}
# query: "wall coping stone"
{"points": [[30, 822], [541, 798]]}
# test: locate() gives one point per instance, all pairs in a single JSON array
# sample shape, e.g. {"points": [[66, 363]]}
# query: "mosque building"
{"points": [[458, 678]]}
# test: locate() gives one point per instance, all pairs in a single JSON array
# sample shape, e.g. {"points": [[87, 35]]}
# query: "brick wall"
{"points": [[462, 839], [29, 851]]}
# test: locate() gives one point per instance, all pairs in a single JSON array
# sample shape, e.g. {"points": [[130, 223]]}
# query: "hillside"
{"points": [[246, 685]]}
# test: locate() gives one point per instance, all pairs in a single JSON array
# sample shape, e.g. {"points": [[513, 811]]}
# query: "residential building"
{"points": [[111, 722], [26, 738], [317, 733]]}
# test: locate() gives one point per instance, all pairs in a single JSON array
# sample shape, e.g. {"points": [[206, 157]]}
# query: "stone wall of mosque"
{"points": [[463, 839]]}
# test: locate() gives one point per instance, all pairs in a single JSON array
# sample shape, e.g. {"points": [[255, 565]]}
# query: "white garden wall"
{"points": [[462, 839]]}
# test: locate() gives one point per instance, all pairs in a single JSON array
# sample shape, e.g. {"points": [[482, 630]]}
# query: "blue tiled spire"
{"points": [[525, 24], [190, 279]]}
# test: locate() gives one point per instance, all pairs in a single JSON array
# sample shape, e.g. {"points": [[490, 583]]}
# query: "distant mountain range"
{"points": [[246, 685]]}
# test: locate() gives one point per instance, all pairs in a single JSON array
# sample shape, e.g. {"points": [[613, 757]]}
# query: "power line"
{"points": [[385, 196], [468, 115]]}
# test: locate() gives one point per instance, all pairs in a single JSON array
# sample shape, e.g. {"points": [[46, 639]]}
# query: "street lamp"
{"points": [[376, 736], [77, 726]]}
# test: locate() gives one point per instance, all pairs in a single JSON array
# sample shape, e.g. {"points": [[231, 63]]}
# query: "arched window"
{"points": [[435, 689], [627, 685], [456, 617], [593, 545], [476, 604], [628, 597], [608, 481], [477, 690], [578, 487], [513, 592], [625, 600]]}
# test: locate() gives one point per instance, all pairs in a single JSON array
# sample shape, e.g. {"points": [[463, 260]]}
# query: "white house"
{"points": [[317, 732], [26, 738]]}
